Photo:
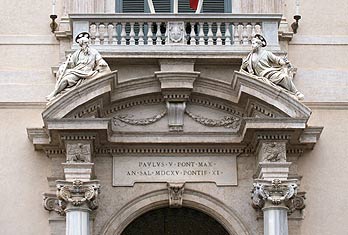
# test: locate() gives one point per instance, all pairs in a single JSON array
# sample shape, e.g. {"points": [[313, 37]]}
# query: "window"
{"points": [[166, 6]]}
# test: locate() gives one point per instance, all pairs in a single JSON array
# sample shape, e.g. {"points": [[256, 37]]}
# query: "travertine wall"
{"points": [[23, 175]]}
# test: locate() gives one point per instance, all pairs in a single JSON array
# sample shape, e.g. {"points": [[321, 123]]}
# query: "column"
{"points": [[78, 199], [78, 194], [272, 190]]}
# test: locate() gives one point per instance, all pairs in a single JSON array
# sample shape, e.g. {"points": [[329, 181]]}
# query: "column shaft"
{"points": [[77, 222], [275, 221]]}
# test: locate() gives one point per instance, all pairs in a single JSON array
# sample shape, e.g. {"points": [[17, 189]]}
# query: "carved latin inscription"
{"points": [[219, 169]]}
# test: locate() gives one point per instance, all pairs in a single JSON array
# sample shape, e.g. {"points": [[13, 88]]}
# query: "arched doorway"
{"points": [[174, 221]]}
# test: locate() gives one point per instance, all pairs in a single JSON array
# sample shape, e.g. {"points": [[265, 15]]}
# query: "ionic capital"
{"points": [[272, 193], [78, 194]]}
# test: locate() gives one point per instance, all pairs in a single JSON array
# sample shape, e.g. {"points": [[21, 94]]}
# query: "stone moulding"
{"points": [[193, 199], [69, 101]]}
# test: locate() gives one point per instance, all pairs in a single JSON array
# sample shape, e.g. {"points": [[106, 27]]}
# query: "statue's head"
{"points": [[258, 41], [83, 39]]}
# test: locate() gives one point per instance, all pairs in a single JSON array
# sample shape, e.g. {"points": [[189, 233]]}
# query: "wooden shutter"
{"points": [[162, 6], [214, 6], [184, 6], [133, 6]]}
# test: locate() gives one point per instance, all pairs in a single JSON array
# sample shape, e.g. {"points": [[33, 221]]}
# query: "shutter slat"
{"points": [[133, 6], [161, 5], [214, 6]]}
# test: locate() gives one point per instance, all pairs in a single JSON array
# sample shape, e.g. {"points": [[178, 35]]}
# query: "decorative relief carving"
{"points": [[275, 192], [273, 152], [176, 191], [176, 32], [79, 193], [227, 121], [176, 115], [78, 152], [51, 203], [125, 118], [296, 203]]}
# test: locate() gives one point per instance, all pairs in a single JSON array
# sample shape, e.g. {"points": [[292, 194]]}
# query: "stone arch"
{"points": [[205, 203]]}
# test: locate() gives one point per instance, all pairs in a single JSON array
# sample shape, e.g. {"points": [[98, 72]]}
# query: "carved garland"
{"points": [[137, 122], [227, 121]]}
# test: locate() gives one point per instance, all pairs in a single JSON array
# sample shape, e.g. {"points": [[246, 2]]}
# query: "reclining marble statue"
{"points": [[265, 64], [85, 63]]}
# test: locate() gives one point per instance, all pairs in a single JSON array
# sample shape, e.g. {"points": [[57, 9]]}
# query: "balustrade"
{"points": [[185, 30]]}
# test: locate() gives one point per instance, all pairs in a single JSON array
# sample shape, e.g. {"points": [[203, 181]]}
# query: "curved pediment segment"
{"points": [[81, 96], [273, 95]]}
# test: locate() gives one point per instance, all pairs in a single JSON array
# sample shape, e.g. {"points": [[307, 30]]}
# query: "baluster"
{"points": [[114, 34], [236, 38], [123, 34], [149, 34], [218, 34], [141, 34], [245, 34], [227, 34], [102, 31], [210, 34], [249, 31], [132, 34], [258, 29], [97, 35], [109, 31], [93, 32], [201, 34], [158, 34], [192, 34], [253, 30]]}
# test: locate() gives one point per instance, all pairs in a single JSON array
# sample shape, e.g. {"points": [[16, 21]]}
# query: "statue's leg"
{"points": [[60, 87], [288, 84]]}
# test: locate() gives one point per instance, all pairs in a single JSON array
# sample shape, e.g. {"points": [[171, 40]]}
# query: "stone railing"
{"points": [[180, 32]]}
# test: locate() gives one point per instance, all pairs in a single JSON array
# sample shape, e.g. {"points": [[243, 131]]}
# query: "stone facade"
{"points": [[185, 107]]}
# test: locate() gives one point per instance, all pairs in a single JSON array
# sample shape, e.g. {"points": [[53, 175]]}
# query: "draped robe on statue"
{"points": [[267, 65]]}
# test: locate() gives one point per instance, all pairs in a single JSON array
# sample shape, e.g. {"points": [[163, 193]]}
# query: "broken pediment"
{"points": [[175, 107]]}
